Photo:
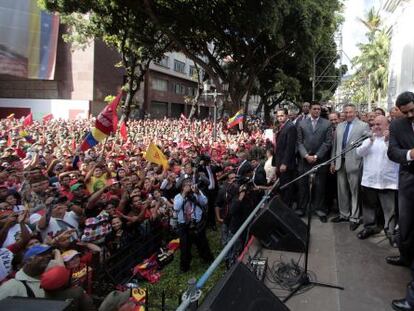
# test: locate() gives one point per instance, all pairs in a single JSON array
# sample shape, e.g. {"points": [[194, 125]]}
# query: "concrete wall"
{"points": [[12, 87], [401, 67], [65, 109]]}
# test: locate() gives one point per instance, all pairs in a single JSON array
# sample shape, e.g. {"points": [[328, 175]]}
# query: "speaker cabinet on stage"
{"points": [[278, 228], [239, 289], [34, 304]]}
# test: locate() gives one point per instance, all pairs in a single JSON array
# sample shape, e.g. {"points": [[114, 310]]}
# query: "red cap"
{"points": [[55, 278]]}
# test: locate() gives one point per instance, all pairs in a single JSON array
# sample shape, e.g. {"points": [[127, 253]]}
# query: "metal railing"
{"points": [[193, 294]]}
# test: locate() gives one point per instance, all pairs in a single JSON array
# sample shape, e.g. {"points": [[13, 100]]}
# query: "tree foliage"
{"points": [[263, 46], [236, 41], [370, 81]]}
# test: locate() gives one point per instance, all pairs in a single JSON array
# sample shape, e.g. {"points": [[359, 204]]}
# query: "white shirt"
{"points": [[56, 225], [270, 170], [13, 235], [408, 152], [379, 172]]}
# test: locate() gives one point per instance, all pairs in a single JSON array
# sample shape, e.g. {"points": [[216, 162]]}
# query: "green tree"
{"points": [[247, 34], [370, 80], [132, 34]]}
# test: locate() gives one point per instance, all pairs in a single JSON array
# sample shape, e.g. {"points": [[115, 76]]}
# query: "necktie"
{"points": [[314, 124], [188, 210], [345, 137]]}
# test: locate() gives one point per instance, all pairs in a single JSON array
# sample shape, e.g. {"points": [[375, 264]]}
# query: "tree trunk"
{"points": [[267, 110], [259, 107], [128, 103]]}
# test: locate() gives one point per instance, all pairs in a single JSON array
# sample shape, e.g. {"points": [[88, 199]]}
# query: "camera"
{"points": [[191, 197]]}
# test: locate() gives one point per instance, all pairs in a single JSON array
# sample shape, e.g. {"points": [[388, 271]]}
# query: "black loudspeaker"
{"points": [[34, 304], [238, 290], [278, 228]]}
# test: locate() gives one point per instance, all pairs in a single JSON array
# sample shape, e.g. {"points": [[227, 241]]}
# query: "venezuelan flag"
{"points": [[236, 119], [42, 43], [105, 124]]}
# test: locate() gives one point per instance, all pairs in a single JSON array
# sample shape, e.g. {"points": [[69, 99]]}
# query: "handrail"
{"points": [[188, 298]]}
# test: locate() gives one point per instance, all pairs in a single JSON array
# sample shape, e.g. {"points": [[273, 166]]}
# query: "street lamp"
{"points": [[206, 87]]}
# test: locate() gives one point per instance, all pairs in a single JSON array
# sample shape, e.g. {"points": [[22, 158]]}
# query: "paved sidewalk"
{"points": [[338, 257]]}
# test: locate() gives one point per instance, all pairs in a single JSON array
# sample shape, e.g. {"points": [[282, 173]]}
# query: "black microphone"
{"points": [[364, 136]]}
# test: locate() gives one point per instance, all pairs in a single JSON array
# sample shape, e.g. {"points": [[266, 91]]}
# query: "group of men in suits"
{"points": [[310, 141], [317, 139]]}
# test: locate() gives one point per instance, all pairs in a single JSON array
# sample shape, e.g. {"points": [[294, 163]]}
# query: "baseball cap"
{"points": [[75, 186], [54, 278], [35, 251], [68, 255]]}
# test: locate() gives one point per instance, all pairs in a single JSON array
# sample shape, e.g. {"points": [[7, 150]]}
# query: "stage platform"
{"points": [[338, 257]]}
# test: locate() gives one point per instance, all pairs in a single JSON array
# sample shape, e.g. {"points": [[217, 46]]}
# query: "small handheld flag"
{"points": [[155, 155], [236, 119], [28, 120]]}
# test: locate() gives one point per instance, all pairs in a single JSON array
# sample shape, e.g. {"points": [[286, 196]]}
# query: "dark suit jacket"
{"points": [[214, 170], [318, 142], [285, 149], [244, 168], [402, 140], [260, 176]]}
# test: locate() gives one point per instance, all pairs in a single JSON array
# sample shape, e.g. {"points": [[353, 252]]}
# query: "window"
{"points": [[191, 91], [164, 62], [179, 66], [179, 89], [192, 71], [159, 84]]}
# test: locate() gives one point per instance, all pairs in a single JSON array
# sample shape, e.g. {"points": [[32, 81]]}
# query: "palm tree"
{"points": [[372, 63]]}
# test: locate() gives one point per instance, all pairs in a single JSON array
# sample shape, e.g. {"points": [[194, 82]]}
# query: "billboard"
{"points": [[28, 40]]}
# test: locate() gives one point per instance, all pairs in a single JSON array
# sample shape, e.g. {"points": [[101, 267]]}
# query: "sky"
{"points": [[353, 32]]}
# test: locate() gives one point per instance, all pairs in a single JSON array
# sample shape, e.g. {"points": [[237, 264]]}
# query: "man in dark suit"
{"points": [[210, 170], [314, 144], [304, 114], [284, 158], [401, 150], [245, 168]]}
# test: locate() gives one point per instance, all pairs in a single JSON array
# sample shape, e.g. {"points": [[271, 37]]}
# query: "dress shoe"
{"points": [[396, 261], [353, 226], [338, 219], [365, 233], [323, 218], [401, 305]]}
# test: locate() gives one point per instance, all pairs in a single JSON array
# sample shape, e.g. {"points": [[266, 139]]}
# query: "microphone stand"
{"points": [[304, 279]]}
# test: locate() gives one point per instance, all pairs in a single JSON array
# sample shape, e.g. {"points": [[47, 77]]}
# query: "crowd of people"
{"points": [[64, 210]]}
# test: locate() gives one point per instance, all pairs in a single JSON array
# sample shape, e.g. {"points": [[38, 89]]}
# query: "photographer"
{"points": [[190, 206], [240, 206], [210, 170]]}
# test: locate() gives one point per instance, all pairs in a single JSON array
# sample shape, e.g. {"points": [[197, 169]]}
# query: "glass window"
{"points": [[192, 72], [164, 62], [159, 84], [179, 66]]}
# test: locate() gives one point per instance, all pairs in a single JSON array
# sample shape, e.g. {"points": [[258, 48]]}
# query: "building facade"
{"points": [[401, 66], [89, 74]]}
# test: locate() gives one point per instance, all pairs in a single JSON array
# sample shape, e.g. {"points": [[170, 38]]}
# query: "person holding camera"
{"points": [[210, 170], [190, 205]]}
